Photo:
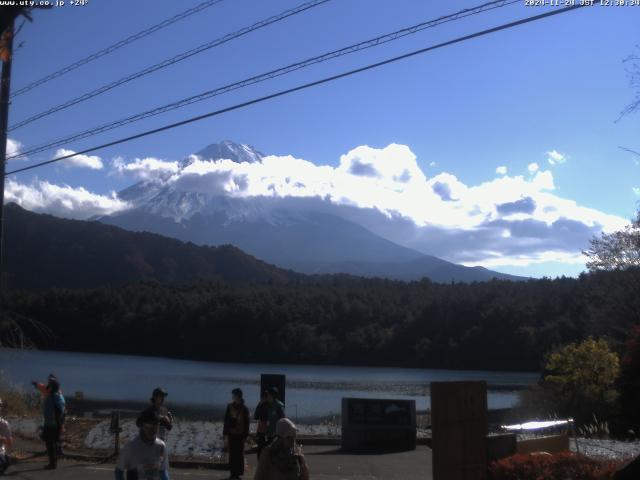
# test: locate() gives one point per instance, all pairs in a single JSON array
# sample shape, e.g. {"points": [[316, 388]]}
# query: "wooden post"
{"points": [[459, 426], [115, 428], [5, 87]]}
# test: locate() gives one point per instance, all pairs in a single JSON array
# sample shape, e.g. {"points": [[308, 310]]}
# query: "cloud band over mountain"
{"points": [[509, 220]]}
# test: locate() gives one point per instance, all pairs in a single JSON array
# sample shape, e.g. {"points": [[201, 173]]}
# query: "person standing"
{"points": [[283, 459], [261, 414], [165, 418], [6, 441], [45, 390], [144, 457], [275, 411], [236, 431], [54, 413]]}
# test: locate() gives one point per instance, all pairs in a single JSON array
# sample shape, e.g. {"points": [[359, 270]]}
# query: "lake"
{"points": [[312, 391]]}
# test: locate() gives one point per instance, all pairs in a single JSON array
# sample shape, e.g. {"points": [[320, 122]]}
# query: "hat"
{"points": [[159, 391], [273, 391], [54, 385], [237, 392], [286, 428], [148, 416]]}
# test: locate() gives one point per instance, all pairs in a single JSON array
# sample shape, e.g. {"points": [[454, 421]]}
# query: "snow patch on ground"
{"points": [[27, 427], [187, 438]]}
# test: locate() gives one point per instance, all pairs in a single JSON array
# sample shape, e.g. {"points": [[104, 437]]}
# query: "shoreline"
{"points": [[280, 365], [202, 440]]}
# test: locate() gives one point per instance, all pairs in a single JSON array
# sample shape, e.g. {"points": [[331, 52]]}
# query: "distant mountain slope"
{"points": [[433, 268], [282, 238], [43, 251], [295, 236]]}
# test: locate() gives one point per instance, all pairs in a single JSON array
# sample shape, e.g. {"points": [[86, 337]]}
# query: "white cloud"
{"points": [[502, 170], [14, 147], [554, 157], [636, 190], [509, 220], [63, 201], [145, 168], [432, 164], [81, 161], [533, 167]]}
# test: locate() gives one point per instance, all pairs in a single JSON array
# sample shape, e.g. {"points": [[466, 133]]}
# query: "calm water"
{"points": [[312, 391]]}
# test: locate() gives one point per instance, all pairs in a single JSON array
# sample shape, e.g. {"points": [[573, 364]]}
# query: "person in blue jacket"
{"points": [[54, 413]]}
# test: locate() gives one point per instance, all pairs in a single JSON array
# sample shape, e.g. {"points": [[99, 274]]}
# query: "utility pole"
{"points": [[5, 85]]}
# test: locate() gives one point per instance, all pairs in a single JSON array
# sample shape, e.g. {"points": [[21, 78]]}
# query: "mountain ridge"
{"points": [[78, 253]]}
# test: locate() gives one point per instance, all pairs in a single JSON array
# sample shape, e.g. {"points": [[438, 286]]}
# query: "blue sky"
{"points": [[504, 100]]}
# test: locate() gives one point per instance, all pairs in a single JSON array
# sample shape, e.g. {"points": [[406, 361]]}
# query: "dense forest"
{"points": [[500, 325]]}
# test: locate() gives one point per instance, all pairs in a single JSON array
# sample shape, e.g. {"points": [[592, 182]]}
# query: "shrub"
{"points": [[17, 402], [581, 377], [559, 466]]}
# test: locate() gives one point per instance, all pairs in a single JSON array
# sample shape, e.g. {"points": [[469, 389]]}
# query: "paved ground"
{"points": [[326, 463]]}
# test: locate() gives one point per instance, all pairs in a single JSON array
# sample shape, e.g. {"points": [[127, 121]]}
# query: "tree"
{"points": [[581, 377], [619, 294], [616, 251]]}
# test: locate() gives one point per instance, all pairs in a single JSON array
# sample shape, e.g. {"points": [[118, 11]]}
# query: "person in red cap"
{"points": [[283, 458], [46, 391]]}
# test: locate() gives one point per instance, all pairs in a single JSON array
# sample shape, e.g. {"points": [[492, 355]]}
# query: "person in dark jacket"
{"points": [[54, 409], [261, 414], [275, 411], [236, 431], [164, 415]]}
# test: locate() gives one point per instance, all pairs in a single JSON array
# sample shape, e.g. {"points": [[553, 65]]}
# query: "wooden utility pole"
{"points": [[5, 86]]}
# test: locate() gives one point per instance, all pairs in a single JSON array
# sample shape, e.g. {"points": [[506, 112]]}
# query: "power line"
{"points": [[308, 85], [269, 75], [171, 61], [116, 46]]}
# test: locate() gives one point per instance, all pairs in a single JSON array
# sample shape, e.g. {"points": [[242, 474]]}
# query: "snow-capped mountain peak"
{"points": [[227, 150]]}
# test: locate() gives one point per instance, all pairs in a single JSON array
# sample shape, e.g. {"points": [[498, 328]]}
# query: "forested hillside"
{"points": [[498, 325]]}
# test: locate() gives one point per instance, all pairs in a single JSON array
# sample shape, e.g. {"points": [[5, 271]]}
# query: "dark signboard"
{"points": [[268, 380], [378, 424], [368, 411]]}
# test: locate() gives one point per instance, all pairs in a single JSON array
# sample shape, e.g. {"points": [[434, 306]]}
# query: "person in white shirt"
{"points": [[6, 441], [145, 457]]}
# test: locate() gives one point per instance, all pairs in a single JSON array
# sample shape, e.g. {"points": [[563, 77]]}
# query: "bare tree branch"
{"points": [[632, 63]]}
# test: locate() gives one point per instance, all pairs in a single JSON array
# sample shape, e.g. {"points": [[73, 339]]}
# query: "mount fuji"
{"points": [[295, 233]]}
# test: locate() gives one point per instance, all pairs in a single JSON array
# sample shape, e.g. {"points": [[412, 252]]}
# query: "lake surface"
{"points": [[312, 391]]}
